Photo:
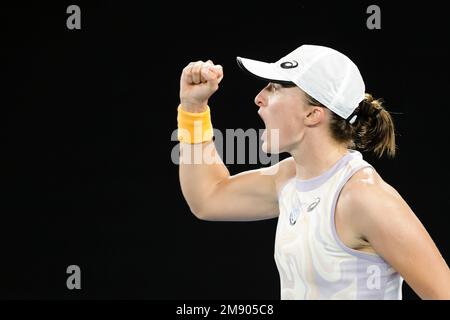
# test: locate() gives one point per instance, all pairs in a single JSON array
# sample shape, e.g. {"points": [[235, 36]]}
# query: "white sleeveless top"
{"points": [[312, 261]]}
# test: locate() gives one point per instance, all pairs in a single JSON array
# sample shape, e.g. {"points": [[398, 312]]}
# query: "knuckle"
{"points": [[187, 69], [198, 63], [192, 67]]}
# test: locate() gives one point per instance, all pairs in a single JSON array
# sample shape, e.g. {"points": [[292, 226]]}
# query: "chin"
{"points": [[272, 142], [268, 148], [264, 147]]}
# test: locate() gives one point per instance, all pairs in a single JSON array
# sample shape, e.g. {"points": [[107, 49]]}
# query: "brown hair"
{"points": [[373, 129]]}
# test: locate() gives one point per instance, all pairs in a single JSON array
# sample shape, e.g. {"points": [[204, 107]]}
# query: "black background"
{"points": [[86, 124]]}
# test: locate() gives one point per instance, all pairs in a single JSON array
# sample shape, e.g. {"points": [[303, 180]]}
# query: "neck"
{"points": [[312, 158]]}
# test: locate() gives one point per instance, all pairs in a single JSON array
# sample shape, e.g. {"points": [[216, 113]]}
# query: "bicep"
{"points": [[248, 196], [399, 237], [243, 197]]}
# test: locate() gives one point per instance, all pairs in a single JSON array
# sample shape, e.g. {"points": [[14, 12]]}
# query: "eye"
{"points": [[270, 87], [275, 86]]}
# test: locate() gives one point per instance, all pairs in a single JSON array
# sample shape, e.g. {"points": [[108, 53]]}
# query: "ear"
{"points": [[314, 116]]}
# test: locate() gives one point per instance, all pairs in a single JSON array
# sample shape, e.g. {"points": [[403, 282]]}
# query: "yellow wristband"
{"points": [[194, 127]]}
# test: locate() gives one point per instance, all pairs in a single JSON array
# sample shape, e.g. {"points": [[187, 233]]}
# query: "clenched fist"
{"points": [[198, 82]]}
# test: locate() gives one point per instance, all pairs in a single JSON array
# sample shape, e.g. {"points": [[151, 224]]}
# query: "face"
{"points": [[286, 113]]}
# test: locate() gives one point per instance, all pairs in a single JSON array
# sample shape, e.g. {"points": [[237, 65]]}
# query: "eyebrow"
{"points": [[274, 85], [277, 85]]}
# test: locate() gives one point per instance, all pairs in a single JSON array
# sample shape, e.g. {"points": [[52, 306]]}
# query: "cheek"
{"points": [[291, 126], [275, 119], [284, 119], [289, 131]]}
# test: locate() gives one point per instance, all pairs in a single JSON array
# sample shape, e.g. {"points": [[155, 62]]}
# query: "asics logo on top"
{"points": [[296, 211], [313, 205]]}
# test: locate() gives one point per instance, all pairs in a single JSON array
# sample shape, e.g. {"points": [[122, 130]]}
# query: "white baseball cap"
{"points": [[325, 74]]}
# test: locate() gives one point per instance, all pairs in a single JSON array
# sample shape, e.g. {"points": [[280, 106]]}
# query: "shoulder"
{"points": [[282, 172], [367, 186], [366, 200]]}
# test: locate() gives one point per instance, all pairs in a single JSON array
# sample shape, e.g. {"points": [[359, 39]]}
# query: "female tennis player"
{"points": [[343, 232]]}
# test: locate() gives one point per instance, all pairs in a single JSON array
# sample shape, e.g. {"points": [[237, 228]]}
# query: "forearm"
{"points": [[201, 170]]}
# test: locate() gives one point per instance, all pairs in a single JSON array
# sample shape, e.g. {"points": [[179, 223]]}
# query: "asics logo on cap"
{"points": [[289, 64]]}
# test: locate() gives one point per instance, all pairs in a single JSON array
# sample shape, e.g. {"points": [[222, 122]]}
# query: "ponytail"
{"points": [[374, 128], [372, 131]]}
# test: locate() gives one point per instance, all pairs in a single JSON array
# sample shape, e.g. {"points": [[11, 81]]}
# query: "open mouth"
{"points": [[264, 134]]}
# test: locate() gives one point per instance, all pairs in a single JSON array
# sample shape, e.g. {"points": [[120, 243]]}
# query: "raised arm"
{"points": [[210, 191]]}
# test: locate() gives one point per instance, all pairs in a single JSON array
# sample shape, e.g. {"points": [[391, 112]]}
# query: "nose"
{"points": [[260, 99]]}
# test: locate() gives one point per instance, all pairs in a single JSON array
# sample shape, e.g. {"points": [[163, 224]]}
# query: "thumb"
{"points": [[211, 76], [217, 70]]}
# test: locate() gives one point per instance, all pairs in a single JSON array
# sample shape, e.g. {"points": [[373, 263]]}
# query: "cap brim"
{"points": [[261, 70]]}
